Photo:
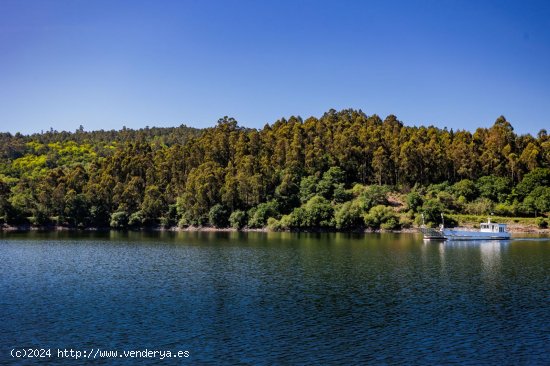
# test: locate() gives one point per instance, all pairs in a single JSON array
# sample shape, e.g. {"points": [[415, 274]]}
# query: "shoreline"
{"points": [[512, 228]]}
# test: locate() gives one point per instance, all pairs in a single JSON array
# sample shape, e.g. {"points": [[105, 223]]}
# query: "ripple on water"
{"points": [[299, 299]]}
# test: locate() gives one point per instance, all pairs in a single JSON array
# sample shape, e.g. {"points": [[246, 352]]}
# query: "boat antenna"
{"points": [[442, 220], [423, 223]]}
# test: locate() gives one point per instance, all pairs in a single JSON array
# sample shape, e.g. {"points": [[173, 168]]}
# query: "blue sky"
{"points": [[108, 64]]}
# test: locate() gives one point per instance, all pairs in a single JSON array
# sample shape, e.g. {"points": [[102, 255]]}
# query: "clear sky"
{"points": [[108, 64]]}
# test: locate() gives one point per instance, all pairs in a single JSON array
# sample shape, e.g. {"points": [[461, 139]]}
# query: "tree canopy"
{"points": [[333, 171]]}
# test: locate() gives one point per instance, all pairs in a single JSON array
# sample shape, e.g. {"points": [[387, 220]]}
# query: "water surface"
{"points": [[277, 298]]}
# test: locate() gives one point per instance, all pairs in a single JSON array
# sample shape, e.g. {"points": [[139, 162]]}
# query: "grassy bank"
{"points": [[515, 224]]}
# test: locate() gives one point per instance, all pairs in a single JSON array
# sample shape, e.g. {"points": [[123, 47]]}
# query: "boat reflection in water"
{"points": [[488, 251]]}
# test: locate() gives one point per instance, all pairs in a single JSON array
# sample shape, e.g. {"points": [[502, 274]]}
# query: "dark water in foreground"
{"points": [[276, 298]]}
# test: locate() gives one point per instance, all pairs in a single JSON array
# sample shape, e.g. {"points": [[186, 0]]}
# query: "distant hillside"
{"points": [[300, 174], [15, 146]]}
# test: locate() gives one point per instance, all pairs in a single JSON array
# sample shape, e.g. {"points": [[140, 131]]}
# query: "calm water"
{"points": [[276, 298]]}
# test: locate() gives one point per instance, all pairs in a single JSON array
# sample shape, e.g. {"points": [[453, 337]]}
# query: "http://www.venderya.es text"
{"points": [[95, 353]]}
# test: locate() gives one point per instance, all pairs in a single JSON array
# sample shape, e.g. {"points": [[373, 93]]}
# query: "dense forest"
{"points": [[343, 171]]}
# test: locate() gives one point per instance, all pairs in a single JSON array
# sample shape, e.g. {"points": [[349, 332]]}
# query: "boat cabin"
{"points": [[490, 227]]}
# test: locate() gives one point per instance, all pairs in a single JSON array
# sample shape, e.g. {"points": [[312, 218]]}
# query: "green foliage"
{"points": [[308, 188], [30, 165], [542, 223], [218, 216], [450, 221], [434, 189], [481, 206], [297, 219], [381, 217], [202, 191], [99, 216], [183, 223], [538, 201], [539, 177], [494, 188], [163, 175], [180, 207], [448, 201], [372, 196], [22, 202], [119, 220], [274, 225], [238, 219], [348, 216], [258, 215], [170, 218], [341, 194], [332, 179], [40, 218], [136, 219], [76, 212], [542, 198], [5, 205], [14, 216], [465, 188], [357, 189], [315, 213], [405, 222], [287, 193], [414, 201], [153, 205], [318, 212], [432, 210], [391, 224], [503, 209]]}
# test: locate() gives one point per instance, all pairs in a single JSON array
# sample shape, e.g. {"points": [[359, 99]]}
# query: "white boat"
{"points": [[487, 231]]}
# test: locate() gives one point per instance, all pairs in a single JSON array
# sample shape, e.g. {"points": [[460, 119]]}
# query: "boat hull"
{"points": [[464, 235], [488, 231], [474, 235]]}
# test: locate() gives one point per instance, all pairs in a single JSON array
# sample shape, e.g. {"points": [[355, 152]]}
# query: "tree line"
{"points": [[345, 170]]}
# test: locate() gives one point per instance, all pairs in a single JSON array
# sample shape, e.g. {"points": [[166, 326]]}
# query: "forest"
{"points": [[343, 171]]}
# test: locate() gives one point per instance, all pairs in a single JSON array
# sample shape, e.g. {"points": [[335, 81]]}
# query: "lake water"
{"points": [[275, 298]]}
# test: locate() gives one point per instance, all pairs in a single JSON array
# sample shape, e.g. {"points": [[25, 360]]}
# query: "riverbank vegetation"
{"points": [[343, 171]]}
